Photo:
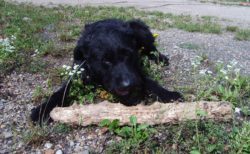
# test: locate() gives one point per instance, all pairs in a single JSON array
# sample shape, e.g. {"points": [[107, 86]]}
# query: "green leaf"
{"points": [[142, 127], [125, 131], [201, 113], [104, 123], [194, 152], [211, 148], [114, 125], [133, 120]]}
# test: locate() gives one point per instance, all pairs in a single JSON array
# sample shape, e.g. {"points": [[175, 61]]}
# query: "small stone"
{"points": [[71, 143], [3, 101], [20, 145], [48, 145], [174, 146], [49, 151], [59, 151], [1, 106], [7, 135], [38, 151], [85, 150], [78, 149]]}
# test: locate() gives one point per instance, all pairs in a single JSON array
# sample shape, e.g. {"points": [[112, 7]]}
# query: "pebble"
{"points": [[59, 151], [71, 143], [48, 145], [85, 150], [7, 135], [49, 151], [3, 101], [1, 105]]}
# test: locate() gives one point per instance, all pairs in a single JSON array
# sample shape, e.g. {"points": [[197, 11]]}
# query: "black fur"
{"points": [[111, 50]]}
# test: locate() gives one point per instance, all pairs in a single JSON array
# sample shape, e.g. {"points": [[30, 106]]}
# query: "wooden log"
{"points": [[157, 113]]}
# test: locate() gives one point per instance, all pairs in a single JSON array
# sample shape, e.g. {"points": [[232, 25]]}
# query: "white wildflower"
{"points": [[75, 67], [82, 69], [229, 66], [64, 66], [13, 37], [78, 72], [209, 72], [36, 51], [226, 77], [223, 71], [68, 68], [6, 45], [203, 72], [237, 110], [71, 73], [234, 62]]}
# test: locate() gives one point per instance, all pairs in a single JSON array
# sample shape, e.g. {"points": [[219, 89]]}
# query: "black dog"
{"points": [[110, 52]]}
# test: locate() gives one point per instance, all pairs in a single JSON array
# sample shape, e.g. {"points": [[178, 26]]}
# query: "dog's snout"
{"points": [[126, 83]]}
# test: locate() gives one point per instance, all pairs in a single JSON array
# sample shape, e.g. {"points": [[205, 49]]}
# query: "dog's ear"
{"points": [[143, 36], [80, 51]]}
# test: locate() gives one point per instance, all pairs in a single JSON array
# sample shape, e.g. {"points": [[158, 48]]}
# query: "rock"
{"points": [[59, 151], [1, 105], [85, 150], [71, 143], [7, 135], [2, 101], [49, 151], [48, 145], [38, 151]]}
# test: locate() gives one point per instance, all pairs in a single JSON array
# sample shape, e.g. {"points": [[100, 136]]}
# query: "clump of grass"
{"points": [[224, 83], [61, 128], [190, 46], [243, 34], [36, 135], [66, 37], [153, 70], [205, 26], [239, 139], [133, 135], [231, 28]]}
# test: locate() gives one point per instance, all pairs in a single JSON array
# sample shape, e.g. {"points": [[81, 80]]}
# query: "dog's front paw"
{"points": [[38, 117], [34, 116], [164, 59], [172, 96]]}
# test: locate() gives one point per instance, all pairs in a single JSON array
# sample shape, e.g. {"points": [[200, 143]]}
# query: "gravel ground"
{"points": [[236, 13], [17, 90], [216, 47]]}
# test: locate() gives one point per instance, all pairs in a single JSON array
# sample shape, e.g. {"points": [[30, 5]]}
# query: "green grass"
{"points": [[231, 28], [243, 34], [190, 46], [31, 25]]}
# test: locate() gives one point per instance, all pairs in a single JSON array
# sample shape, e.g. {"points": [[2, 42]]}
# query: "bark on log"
{"points": [[157, 113]]}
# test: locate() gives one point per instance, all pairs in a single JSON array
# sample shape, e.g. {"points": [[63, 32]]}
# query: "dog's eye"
{"points": [[107, 63]]}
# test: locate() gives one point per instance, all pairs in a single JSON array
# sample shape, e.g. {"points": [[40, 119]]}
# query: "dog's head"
{"points": [[111, 51]]}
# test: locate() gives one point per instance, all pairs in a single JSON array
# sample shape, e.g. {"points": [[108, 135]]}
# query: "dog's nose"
{"points": [[126, 83]]}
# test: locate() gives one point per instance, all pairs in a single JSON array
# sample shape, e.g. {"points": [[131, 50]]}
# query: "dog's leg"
{"points": [[163, 94], [158, 57], [59, 98]]}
